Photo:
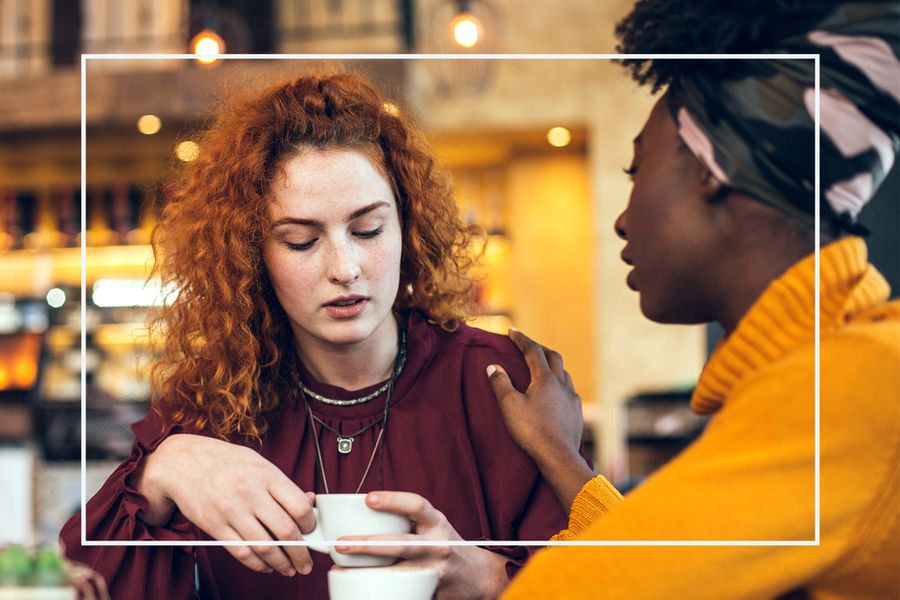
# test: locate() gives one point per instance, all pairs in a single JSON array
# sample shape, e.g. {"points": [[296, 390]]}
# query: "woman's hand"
{"points": [[232, 493], [546, 421], [463, 571], [89, 584]]}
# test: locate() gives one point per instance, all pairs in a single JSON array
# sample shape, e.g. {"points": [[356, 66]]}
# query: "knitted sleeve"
{"points": [[596, 498]]}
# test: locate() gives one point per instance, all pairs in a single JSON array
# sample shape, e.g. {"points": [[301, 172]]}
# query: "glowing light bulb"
{"points": [[187, 150], [56, 297], [559, 137], [149, 124], [467, 30], [208, 45], [24, 373]]}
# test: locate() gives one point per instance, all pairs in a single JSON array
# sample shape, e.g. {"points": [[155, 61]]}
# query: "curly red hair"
{"points": [[222, 340]]}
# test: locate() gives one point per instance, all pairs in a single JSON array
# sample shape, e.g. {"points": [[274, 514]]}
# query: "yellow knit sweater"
{"points": [[751, 475]]}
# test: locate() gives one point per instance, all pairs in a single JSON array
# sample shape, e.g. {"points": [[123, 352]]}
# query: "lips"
{"points": [[629, 279], [345, 307], [343, 301]]}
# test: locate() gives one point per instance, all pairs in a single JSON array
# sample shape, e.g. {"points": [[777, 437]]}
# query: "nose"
{"points": [[619, 225], [343, 264]]}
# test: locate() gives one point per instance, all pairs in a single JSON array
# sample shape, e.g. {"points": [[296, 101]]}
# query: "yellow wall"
{"points": [[549, 216]]}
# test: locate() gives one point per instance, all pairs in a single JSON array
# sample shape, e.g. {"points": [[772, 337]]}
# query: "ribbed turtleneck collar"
{"points": [[783, 317]]}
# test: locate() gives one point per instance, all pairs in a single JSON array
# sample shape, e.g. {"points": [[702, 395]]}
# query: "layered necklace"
{"points": [[399, 363], [345, 441]]}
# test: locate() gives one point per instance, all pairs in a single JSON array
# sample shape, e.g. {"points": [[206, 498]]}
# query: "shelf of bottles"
{"points": [[41, 318], [40, 300]]}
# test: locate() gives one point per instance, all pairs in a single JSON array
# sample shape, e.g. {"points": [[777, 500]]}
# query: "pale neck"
{"points": [[352, 366]]}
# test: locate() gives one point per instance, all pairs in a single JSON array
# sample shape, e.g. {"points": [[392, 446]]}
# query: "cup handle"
{"points": [[315, 537]]}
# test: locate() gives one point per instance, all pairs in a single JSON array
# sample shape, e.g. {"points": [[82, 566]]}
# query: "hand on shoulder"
{"points": [[546, 421]]}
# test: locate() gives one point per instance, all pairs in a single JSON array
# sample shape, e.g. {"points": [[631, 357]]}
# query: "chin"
{"points": [[672, 313], [654, 315], [347, 334]]}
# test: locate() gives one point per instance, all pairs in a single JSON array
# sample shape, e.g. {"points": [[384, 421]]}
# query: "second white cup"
{"points": [[387, 583], [347, 514]]}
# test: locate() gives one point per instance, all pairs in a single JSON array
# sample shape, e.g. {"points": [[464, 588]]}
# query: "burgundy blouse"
{"points": [[445, 440]]}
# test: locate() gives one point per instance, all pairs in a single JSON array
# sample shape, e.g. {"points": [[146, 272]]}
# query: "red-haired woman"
{"points": [[315, 345]]}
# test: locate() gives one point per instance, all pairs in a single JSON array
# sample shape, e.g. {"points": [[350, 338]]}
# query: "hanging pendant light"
{"points": [[211, 24], [463, 27], [467, 30], [207, 45]]}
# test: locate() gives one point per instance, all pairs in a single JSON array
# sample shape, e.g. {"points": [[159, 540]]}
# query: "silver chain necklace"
{"points": [[382, 420], [344, 440], [345, 443], [399, 363]]}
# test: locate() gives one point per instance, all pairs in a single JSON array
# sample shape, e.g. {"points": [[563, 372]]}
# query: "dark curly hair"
{"points": [[222, 340], [708, 27]]}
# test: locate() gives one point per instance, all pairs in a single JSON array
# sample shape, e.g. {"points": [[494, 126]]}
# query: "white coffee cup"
{"points": [[382, 583], [347, 514]]}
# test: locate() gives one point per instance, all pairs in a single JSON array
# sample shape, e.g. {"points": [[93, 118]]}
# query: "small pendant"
{"points": [[345, 444]]}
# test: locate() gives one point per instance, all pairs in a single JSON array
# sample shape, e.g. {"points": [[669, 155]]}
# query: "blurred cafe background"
{"points": [[536, 148]]}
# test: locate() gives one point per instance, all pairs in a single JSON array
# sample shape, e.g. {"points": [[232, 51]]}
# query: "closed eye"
{"points": [[630, 171], [370, 233], [301, 246]]}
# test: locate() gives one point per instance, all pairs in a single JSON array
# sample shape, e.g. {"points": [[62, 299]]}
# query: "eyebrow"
{"points": [[314, 223]]}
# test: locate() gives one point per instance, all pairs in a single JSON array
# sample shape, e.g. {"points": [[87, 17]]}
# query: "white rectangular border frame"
{"points": [[86, 57]]}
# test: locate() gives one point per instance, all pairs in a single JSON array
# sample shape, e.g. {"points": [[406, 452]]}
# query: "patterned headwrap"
{"points": [[755, 132]]}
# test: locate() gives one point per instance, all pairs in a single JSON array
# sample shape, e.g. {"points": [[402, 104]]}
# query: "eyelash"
{"points": [[369, 234], [360, 234], [301, 247], [630, 171]]}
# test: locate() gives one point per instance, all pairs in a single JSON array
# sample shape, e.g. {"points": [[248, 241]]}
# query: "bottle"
{"points": [[7, 217], [125, 207], [68, 211], [20, 208]]}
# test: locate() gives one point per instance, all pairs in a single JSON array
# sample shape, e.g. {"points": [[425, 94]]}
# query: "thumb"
{"points": [[502, 386]]}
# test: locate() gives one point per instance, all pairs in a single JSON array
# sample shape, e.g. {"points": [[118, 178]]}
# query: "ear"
{"points": [[712, 188], [701, 178]]}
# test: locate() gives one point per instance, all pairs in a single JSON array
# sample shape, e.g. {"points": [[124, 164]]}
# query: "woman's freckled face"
{"points": [[334, 251]]}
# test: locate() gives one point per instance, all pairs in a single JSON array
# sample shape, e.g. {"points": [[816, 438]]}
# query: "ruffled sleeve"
{"points": [[112, 514]]}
